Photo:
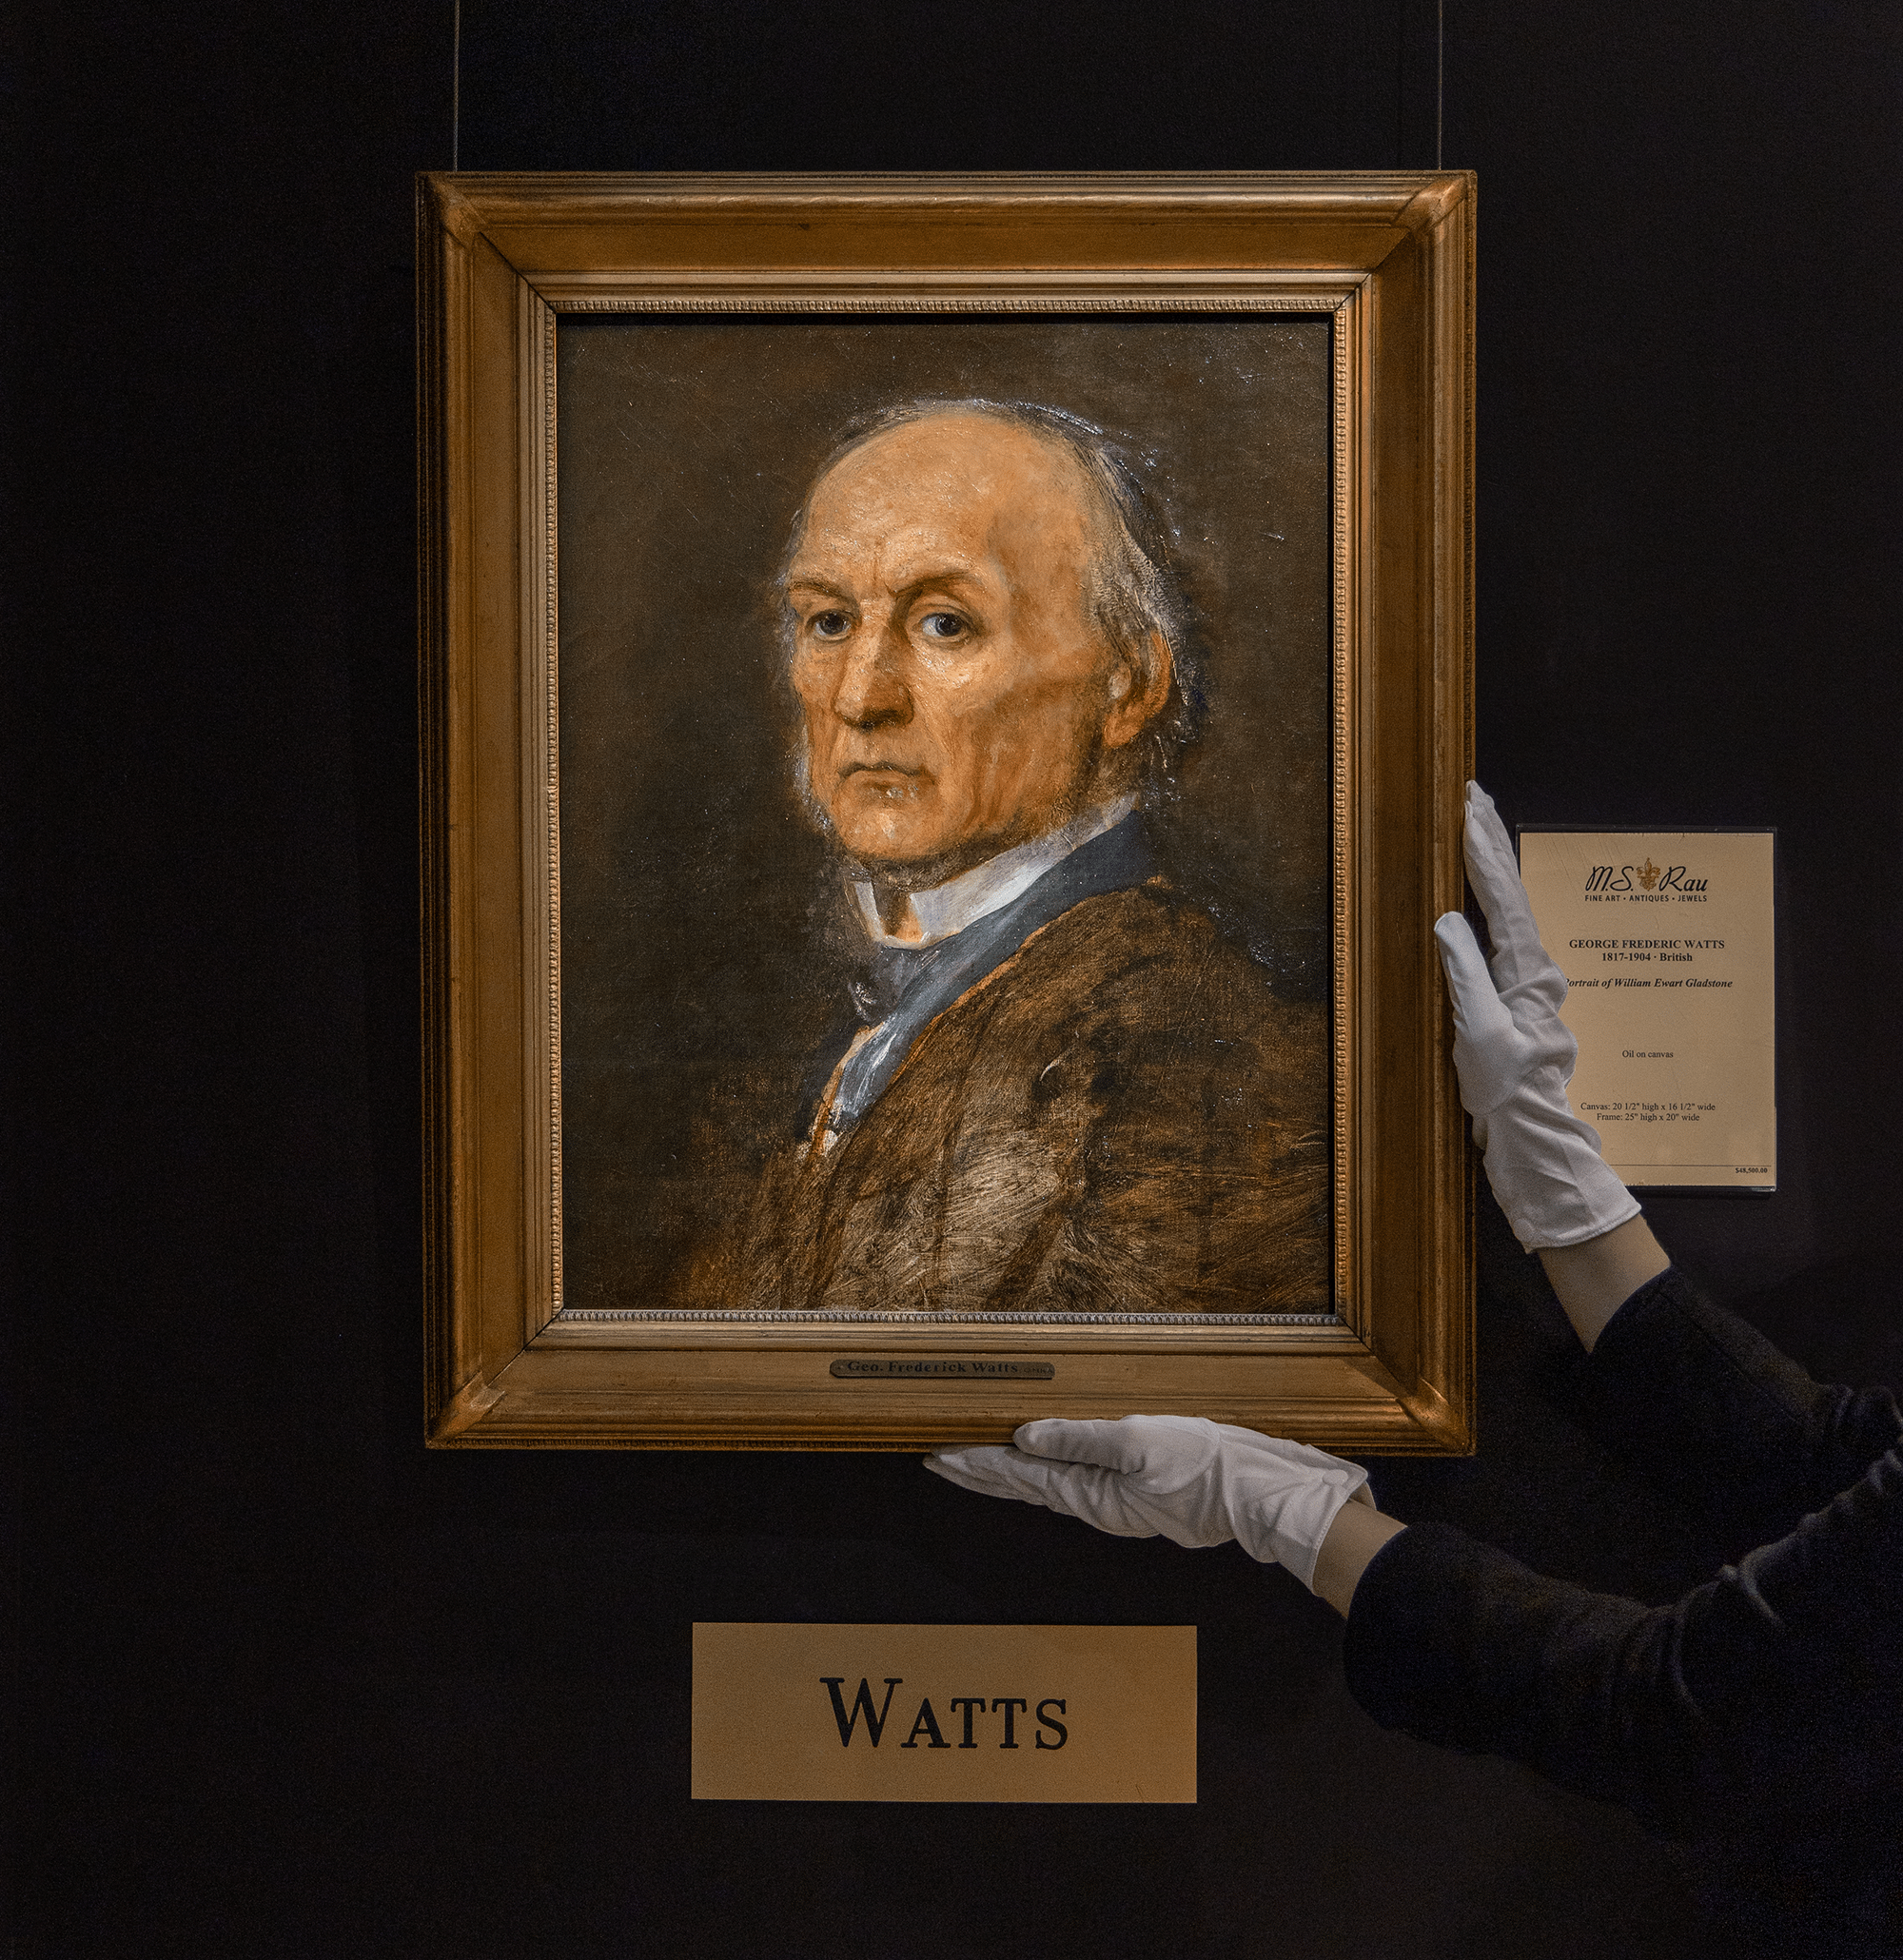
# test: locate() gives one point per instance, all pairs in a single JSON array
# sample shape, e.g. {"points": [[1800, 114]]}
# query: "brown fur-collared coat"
{"points": [[1119, 1118]]}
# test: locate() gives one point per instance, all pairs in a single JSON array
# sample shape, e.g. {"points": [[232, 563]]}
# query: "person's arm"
{"points": [[1358, 1533], [1761, 1440], [1595, 1279], [1761, 1686], [1731, 1416]]}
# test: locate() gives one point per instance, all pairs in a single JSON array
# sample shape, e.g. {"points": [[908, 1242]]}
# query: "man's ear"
{"points": [[1139, 685]]}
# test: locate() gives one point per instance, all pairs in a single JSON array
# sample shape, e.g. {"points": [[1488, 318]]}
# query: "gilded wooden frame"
{"points": [[1390, 258]]}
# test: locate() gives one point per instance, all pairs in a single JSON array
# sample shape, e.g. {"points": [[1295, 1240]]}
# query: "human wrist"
{"points": [[1356, 1535], [1596, 1278]]}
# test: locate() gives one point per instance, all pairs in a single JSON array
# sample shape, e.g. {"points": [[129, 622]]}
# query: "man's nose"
{"points": [[871, 692]]}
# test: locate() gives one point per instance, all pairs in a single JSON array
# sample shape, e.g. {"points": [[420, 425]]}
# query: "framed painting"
{"points": [[945, 708]]}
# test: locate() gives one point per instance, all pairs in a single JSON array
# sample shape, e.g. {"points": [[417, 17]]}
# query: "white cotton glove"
{"points": [[1198, 1482], [1515, 1057]]}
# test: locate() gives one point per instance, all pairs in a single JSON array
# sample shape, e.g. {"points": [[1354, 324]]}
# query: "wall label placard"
{"points": [[1667, 940], [938, 1367], [944, 1713]]}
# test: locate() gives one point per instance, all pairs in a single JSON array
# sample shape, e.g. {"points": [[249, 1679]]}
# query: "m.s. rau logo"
{"points": [[1647, 877]]}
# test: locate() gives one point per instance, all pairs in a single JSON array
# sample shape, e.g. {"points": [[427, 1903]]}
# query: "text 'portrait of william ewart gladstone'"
{"points": [[1061, 1087]]}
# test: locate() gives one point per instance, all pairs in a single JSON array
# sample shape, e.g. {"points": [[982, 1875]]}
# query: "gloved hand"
{"points": [[1515, 1057], [1198, 1482]]}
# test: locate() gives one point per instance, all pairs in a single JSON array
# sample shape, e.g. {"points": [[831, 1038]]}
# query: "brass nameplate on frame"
{"points": [[944, 1713], [1667, 942], [939, 1367]]}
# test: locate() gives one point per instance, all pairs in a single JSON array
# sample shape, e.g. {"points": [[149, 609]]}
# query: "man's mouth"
{"points": [[847, 769]]}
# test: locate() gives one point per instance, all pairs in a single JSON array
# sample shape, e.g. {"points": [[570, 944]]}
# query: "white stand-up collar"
{"points": [[950, 907]]}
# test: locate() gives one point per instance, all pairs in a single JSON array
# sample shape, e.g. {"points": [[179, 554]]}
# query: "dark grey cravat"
{"points": [[887, 977], [902, 989]]}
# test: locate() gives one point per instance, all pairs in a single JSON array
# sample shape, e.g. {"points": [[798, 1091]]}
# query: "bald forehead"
{"points": [[959, 460]]}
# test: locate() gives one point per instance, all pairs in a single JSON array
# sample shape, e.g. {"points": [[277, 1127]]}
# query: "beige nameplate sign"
{"points": [[944, 1713], [938, 1367], [1667, 939]]}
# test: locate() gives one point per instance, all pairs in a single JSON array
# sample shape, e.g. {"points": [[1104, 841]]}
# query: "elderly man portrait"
{"points": [[1057, 1084]]}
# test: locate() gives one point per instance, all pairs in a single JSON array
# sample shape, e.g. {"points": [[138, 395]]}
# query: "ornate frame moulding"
{"points": [[1388, 259]]}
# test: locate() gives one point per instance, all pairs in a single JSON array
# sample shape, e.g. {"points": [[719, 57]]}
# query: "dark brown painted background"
{"points": [[294, 1686], [698, 976]]}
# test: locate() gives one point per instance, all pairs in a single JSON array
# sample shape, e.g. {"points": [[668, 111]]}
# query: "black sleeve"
{"points": [[1741, 1423], [1779, 1681]]}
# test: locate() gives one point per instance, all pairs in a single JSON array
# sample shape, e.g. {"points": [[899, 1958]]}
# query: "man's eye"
{"points": [[830, 625], [941, 625]]}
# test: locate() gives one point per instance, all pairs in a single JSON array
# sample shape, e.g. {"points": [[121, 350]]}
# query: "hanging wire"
{"points": [[1440, 71], [455, 83]]}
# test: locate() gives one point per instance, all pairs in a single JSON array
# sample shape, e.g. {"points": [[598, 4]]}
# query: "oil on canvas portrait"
{"points": [[945, 786]]}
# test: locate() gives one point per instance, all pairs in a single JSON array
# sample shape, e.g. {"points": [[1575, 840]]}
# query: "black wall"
{"points": [[294, 1685]]}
